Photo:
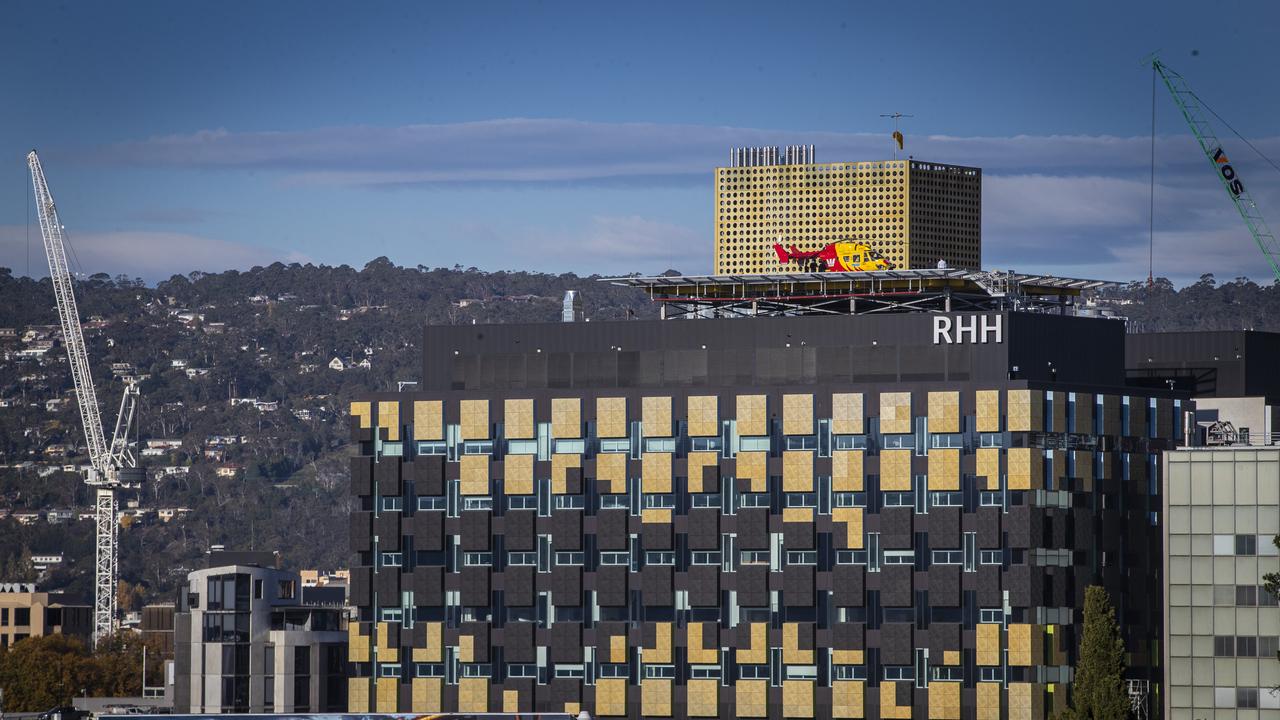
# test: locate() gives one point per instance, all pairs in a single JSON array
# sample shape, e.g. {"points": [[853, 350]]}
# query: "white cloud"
{"points": [[149, 255]]}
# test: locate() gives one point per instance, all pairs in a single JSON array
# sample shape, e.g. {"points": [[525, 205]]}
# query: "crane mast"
{"points": [[107, 461], [1192, 111]]}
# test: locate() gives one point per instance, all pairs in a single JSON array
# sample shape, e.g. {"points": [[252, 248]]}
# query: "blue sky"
{"points": [[582, 136]]}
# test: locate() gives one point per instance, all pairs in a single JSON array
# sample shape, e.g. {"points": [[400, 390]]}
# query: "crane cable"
{"points": [[1151, 226]]}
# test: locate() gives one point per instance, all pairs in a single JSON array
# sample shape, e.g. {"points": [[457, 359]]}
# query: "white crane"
{"points": [[111, 465]]}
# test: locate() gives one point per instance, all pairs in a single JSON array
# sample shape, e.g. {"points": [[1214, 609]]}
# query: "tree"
{"points": [[38, 673], [1098, 692], [1271, 581]]}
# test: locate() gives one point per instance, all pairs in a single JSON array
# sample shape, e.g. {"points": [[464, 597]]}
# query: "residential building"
{"points": [[881, 515], [24, 613], [249, 638], [915, 213]]}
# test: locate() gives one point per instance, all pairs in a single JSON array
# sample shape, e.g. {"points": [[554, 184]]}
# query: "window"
{"points": [[659, 671], [660, 445], [431, 503], [390, 614], [991, 498], [706, 500], [753, 444], [522, 670], [848, 499], [477, 503], [991, 674], [945, 557], [392, 559], [947, 673], [476, 670], [1265, 598], [1224, 646], [1246, 647], [428, 670], [569, 671], [659, 501], [898, 442], [1247, 697], [433, 448], [1223, 544], [1268, 646], [659, 557], [800, 500], [899, 672], [615, 558], [1246, 595], [388, 671], [522, 502], [850, 672], [706, 557], [615, 502], [802, 442], [750, 500], [899, 557], [1224, 595], [754, 557], [392, 504], [991, 440], [947, 440], [522, 559], [570, 447], [567, 558], [851, 557], [1246, 544], [477, 559], [612, 671], [522, 447], [753, 672], [477, 447], [802, 672], [802, 557], [570, 502], [899, 499], [705, 444], [704, 672], [286, 589], [850, 442], [946, 499], [615, 446], [991, 557], [991, 615]]}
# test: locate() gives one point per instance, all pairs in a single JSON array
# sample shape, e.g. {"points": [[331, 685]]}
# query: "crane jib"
{"points": [[1228, 173]]}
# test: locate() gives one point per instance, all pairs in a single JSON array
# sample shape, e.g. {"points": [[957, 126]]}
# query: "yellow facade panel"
{"points": [[473, 695], [803, 515], [847, 470], [1020, 701], [792, 654], [895, 413], [517, 474], [846, 414], [988, 410], [752, 415], [358, 695], [797, 414], [617, 648], [950, 657], [754, 466], [655, 697], [364, 411], [474, 475], [561, 463], [797, 698], [889, 707], [655, 468], [388, 700], [389, 418], [895, 470], [988, 640], [466, 648], [751, 698], [386, 651], [848, 657], [851, 517], [611, 469], [944, 700], [357, 643], [944, 411], [987, 465], [704, 418], [758, 652], [428, 420], [510, 701], [797, 471], [611, 417], [1020, 644], [475, 420], [656, 416], [699, 655], [944, 469], [695, 463], [433, 651], [656, 516], [703, 698], [611, 697], [1026, 468], [566, 418], [988, 701], [517, 419], [848, 699], [661, 650], [1026, 410]]}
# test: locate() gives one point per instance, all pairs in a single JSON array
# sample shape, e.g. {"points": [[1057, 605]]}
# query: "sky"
{"points": [[583, 136]]}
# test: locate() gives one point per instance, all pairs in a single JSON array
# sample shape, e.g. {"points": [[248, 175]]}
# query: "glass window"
{"points": [[706, 557], [659, 445], [522, 447], [659, 501], [1246, 544], [477, 559], [944, 557], [570, 447], [991, 498], [431, 503], [706, 500], [615, 558], [802, 557], [991, 557], [659, 557], [615, 446], [899, 499], [615, 502], [946, 499], [1246, 646], [570, 558], [1223, 545], [522, 559], [477, 503], [522, 502], [899, 557], [570, 502], [392, 504], [522, 670], [753, 444], [1246, 595], [991, 615], [850, 442]]}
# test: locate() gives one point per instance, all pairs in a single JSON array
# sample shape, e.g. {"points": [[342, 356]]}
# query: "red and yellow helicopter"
{"points": [[839, 256]]}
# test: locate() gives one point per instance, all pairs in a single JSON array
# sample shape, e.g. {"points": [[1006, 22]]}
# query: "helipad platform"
{"points": [[857, 293]]}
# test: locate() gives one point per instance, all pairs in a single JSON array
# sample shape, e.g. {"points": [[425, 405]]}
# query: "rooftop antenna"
{"points": [[897, 134]]}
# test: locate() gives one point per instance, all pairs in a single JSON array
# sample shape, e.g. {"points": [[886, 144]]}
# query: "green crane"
{"points": [[1193, 108]]}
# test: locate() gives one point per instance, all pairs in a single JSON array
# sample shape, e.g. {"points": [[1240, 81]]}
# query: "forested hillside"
{"points": [[265, 338]]}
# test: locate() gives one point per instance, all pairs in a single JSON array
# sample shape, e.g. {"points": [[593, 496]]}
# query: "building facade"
{"points": [[798, 517], [914, 213], [249, 639], [24, 613], [1223, 631]]}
